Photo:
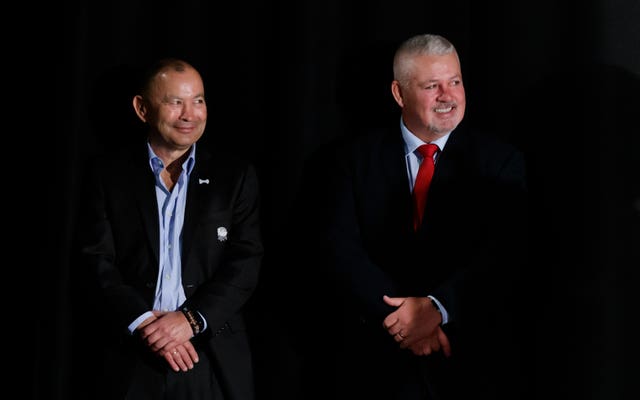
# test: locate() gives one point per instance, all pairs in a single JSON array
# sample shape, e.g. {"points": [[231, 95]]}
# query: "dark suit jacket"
{"points": [[466, 254], [119, 244]]}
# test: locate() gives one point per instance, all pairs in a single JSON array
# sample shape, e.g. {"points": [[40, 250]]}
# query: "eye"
{"points": [[431, 86], [456, 82]]}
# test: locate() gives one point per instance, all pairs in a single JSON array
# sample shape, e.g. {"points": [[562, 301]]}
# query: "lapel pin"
{"points": [[222, 233], [201, 181]]}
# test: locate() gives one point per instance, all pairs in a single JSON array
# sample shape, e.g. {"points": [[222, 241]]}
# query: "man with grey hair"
{"points": [[425, 245]]}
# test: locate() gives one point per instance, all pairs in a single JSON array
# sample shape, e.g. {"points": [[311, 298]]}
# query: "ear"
{"points": [[140, 107], [396, 91]]}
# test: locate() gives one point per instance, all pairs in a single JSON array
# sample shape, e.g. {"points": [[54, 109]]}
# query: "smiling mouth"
{"points": [[443, 110]]}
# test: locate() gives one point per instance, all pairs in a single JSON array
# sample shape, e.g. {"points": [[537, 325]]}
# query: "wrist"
{"points": [[195, 320], [435, 305]]}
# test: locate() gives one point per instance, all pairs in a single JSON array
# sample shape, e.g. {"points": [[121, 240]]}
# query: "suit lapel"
{"points": [[449, 162], [143, 183], [200, 187], [396, 179]]}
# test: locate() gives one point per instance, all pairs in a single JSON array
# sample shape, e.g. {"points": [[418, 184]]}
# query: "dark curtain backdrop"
{"points": [[284, 80]]}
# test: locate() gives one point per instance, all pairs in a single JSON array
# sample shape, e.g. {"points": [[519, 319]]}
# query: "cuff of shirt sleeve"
{"points": [[441, 309], [134, 325]]}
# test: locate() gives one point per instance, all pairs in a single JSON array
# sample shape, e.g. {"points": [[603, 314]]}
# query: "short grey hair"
{"points": [[425, 44]]}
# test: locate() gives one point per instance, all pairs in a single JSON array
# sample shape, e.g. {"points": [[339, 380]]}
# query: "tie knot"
{"points": [[428, 150]]}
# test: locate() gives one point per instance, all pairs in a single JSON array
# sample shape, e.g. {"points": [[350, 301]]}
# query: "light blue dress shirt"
{"points": [[171, 205]]}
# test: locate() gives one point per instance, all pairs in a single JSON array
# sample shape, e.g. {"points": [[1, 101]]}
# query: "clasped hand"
{"points": [[167, 334], [415, 325]]}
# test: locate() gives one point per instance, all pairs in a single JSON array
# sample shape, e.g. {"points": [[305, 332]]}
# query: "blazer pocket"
{"points": [[234, 325], [237, 324]]}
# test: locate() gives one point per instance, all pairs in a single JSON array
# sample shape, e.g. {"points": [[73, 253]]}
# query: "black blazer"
{"points": [[119, 244], [466, 253]]}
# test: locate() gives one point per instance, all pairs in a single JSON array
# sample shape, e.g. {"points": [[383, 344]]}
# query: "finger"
{"points": [[185, 357], [409, 341], [147, 331], [444, 343], [177, 357], [191, 351], [389, 322], [393, 301], [169, 346], [159, 344], [151, 338], [425, 347], [417, 350], [169, 357], [394, 331]]}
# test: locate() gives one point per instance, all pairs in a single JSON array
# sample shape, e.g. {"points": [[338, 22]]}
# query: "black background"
{"points": [[559, 79]]}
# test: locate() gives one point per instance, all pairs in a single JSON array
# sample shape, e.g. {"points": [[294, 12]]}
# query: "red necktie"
{"points": [[423, 179]]}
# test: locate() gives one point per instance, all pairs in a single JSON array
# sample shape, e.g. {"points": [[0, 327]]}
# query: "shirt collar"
{"points": [[156, 163], [412, 142]]}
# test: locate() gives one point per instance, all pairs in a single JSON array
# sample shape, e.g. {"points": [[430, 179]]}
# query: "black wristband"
{"points": [[195, 320]]}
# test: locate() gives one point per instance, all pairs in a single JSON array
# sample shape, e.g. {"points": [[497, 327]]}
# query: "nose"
{"points": [[187, 111], [444, 92]]}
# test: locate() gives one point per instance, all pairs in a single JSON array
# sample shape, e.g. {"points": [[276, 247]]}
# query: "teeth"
{"points": [[443, 110]]}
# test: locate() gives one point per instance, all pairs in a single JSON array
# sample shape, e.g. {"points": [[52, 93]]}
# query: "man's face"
{"points": [[433, 100], [176, 110]]}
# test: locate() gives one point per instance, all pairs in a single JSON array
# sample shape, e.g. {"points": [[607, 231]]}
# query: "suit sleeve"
{"points": [[355, 272]]}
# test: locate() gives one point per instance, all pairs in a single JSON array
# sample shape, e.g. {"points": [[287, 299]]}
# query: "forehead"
{"points": [[434, 67], [185, 82]]}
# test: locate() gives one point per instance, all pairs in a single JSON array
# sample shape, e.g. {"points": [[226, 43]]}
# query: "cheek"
{"points": [[201, 113], [169, 115], [424, 99]]}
